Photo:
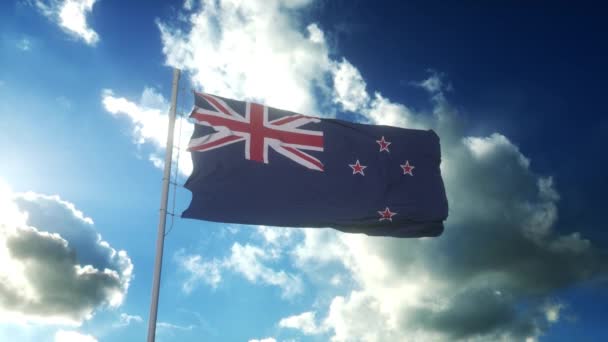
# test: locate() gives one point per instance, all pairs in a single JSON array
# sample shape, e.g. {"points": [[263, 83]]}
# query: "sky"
{"points": [[515, 92]]}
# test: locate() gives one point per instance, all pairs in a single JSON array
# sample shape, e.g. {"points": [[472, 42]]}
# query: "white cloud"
{"points": [[275, 235], [188, 4], [24, 44], [208, 272], [500, 248], [315, 34], [484, 147], [150, 122], [276, 239], [73, 336], [126, 319], [149, 118], [336, 280], [360, 316], [382, 111], [56, 267], [267, 339], [307, 252], [304, 322], [434, 84], [282, 67], [349, 86], [227, 230], [157, 161], [247, 261], [552, 312], [166, 325], [71, 16]]}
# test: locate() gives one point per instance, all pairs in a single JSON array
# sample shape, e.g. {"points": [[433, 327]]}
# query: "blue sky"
{"points": [[515, 93]]}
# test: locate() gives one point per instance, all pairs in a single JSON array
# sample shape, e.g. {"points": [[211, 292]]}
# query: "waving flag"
{"points": [[259, 165]]}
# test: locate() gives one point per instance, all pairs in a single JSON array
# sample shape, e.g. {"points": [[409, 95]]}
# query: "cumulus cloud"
{"points": [[71, 16], [247, 260], [500, 251], [552, 311], [349, 86], [251, 50], [304, 322], [56, 267], [284, 67], [150, 120], [434, 83], [382, 111], [72, 336], [188, 4], [198, 270], [274, 239]]}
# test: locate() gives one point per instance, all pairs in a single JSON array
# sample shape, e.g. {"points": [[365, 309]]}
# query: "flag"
{"points": [[259, 165]]}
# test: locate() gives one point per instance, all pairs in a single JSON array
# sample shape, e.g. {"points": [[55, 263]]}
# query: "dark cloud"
{"points": [[51, 214], [57, 268], [493, 271], [475, 313]]}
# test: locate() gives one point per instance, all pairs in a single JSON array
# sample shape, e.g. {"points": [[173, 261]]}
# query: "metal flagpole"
{"points": [[160, 239]]}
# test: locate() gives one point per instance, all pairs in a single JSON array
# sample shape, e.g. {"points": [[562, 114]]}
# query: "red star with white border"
{"points": [[357, 168], [387, 214], [407, 168], [383, 144]]}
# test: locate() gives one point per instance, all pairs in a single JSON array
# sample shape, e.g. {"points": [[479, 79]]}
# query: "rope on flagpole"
{"points": [[175, 174], [178, 148]]}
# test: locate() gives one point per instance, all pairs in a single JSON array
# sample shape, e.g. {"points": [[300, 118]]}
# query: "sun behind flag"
{"points": [[259, 165]]}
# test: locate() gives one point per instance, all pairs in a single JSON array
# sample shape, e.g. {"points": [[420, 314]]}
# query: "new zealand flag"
{"points": [[264, 166]]}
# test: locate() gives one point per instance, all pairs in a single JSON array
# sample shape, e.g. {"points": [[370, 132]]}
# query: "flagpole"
{"points": [[160, 239]]}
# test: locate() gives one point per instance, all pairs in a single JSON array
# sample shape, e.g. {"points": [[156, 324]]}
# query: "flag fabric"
{"points": [[259, 165]]}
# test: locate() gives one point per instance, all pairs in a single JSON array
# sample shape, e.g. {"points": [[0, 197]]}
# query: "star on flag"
{"points": [[357, 168], [386, 215], [407, 168], [383, 144]]}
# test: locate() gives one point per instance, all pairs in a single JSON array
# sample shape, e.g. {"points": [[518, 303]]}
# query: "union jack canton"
{"points": [[283, 135]]}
